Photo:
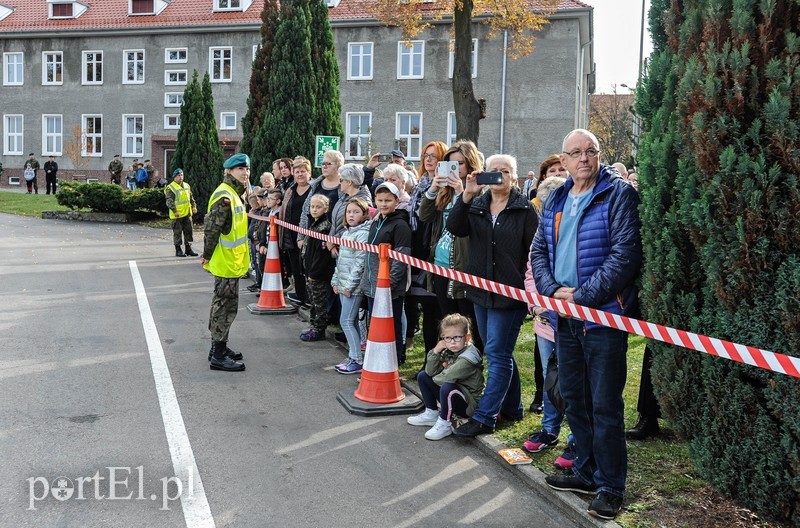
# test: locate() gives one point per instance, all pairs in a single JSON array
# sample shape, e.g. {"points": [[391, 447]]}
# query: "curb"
{"points": [[572, 506]]}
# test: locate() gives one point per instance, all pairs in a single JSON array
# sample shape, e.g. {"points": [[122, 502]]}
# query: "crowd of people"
{"points": [[572, 234]]}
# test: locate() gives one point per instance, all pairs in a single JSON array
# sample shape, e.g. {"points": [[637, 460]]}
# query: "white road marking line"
{"points": [[497, 502], [456, 468], [196, 510], [448, 499]]}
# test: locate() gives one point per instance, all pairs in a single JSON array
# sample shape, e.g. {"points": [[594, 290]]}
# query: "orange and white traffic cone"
{"points": [[379, 391], [271, 300]]}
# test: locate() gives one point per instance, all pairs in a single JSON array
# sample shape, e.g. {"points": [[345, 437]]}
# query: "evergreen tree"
{"points": [[720, 201], [326, 72], [259, 78], [198, 151], [289, 116]]}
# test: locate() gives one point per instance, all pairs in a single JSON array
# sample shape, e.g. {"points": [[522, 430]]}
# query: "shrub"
{"points": [[106, 198]]}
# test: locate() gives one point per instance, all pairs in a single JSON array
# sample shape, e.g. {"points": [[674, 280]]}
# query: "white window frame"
{"points": [[20, 142], [218, 7], [403, 50], [126, 61], [351, 57], [409, 137], [452, 133], [59, 64], [452, 59], [57, 137], [85, 136], [222, 60], [53, 17], [131, 13], [168, 104], [126, 135], [171, 126], [19, 73], [362, 137], [223, 125], [85, 64], [184, 51], [178, 82]]}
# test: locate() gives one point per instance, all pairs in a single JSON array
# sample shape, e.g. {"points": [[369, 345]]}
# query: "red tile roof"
{"points": [[31, 15]]}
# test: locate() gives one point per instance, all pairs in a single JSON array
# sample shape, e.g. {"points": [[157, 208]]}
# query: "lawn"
{"points": [[28, 204]]}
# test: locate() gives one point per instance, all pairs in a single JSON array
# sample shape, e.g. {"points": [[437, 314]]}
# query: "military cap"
{"points": [[237, 160], [176, 172]]}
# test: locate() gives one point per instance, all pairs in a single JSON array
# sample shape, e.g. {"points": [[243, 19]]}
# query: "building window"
{"points": [[173, 99], [220, 64], [408, 133], [132, 135], [52, 134], [176, 55], [175, 77], [142, 7], [451, 128], [227, 5], [52, 67], [61, 10], [410, 59], [12, 69], [12, 134], [172, 121], [133, 64], [359, 61], [227, 121], [92, 67], [474, 56], [92, 135], [359, 130]]}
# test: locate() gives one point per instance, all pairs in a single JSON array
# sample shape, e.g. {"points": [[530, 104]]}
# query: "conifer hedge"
{"points": [[720, 207]]}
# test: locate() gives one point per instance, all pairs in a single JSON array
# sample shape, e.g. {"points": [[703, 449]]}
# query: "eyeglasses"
{"points": [[326, 163], [429, 156], [452, 339], [576, 154]]}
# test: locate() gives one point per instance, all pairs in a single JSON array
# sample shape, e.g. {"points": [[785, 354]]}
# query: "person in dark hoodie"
{"points": [[319, 266], [390, 226]]}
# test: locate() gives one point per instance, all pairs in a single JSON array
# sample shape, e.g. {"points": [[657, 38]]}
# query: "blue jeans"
{"points": [[551, 418], [499, 330], [348, 320], [592, 366], [449, 396]]}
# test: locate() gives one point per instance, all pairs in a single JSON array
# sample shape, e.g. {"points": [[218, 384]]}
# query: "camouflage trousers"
{"points": [[182, 226], [224, 306], [318, 299]]}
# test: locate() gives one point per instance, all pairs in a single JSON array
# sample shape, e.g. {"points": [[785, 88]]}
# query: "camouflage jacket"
{"points": [[219, 219]]}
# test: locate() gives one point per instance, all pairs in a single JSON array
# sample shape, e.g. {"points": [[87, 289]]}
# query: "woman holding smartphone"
{"points": [[446, 250]]}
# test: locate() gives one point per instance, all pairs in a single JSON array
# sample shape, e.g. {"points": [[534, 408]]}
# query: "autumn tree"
{"points": [[611, 120], [520, 18], [75, 149]]}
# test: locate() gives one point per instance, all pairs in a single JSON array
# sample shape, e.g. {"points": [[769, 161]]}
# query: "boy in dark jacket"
{"points": [[390, 226], [319, 266]]}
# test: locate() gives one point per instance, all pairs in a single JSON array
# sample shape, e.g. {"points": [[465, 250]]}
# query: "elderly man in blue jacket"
{"points": [[588, 251]]}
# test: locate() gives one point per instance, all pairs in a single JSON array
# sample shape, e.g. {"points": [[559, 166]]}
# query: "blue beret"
{"points": [[237, 160], [176, 172]]}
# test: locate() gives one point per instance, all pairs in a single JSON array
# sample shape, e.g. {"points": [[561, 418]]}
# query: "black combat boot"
{"points": [[228, 353], [219, 361], [645, 428], [189, 252], [178, 251]]}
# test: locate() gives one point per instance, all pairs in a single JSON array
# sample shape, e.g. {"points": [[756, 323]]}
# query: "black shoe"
{"points": [[190, 253], [537, 407], [645, 428], [228, 353], [605, 506], [569, 482], [472, 428], [294, 299], [179, 252], [226, 364], [339, 336], [253, 288]]}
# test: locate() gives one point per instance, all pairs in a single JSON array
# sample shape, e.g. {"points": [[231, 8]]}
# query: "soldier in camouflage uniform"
{"points": [[181, 205], [115, 169], [226, 256]]}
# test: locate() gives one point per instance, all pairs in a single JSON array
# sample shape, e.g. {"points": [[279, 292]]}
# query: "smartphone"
{"points": [[490, 178], [384, 158], [444, 168]]}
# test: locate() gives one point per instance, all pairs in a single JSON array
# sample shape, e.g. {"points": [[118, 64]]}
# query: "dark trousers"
{"points": [[431, 315], [50, 181], [182, 230], [318, 299], [397, 310], [464, 307], [32, 183], [297, 273], [648, 406], [450, 396]]}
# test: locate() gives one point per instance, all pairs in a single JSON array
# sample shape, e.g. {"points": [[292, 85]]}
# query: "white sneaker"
{"points": [[440, 430], [426, 418]]}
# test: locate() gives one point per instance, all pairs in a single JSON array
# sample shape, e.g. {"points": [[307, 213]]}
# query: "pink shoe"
{"points": [[363, 346]]}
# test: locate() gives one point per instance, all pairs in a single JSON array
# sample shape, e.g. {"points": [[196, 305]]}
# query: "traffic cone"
{"points": [[271, 300], [379, 391]]}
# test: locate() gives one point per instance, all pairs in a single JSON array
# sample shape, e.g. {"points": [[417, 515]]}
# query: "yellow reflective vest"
{"points": [[183, 201], [230, 259]]}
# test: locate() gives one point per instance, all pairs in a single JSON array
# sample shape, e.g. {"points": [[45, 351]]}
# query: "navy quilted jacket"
{"points": [[609, 246]]}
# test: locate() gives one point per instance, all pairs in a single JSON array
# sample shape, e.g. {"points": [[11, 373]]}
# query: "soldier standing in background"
{"points": [[115, 169], [225, 255], [182, 206], [50, 173]]}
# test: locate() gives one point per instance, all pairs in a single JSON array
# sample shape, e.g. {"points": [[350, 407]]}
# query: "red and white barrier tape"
{"points": [[758, 357]]}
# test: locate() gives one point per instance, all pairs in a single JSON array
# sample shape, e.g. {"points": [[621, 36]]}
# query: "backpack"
{"points": [[29, 173]]}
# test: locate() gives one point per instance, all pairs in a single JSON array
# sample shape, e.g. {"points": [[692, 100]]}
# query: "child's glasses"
{"points": [[452, 339]]}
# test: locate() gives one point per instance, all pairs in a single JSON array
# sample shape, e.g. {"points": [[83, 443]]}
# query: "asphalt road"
{"points": [[83, 390]]}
